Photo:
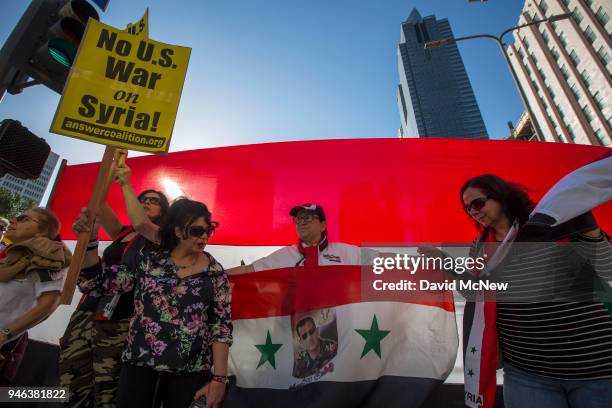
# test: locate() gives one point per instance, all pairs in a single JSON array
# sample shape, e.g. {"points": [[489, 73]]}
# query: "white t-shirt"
{"points": [[18, 296], [336, 253]]}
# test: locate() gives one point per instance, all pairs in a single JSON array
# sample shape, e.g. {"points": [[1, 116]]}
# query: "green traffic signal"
{"points": [[62, 51]]}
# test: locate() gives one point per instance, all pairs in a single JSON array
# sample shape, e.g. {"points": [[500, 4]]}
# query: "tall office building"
{"points": [[434, 96], [31, 189], [565, 69]]}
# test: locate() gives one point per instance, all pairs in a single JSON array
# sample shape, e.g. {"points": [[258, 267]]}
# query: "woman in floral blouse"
{"points": [[181, 328]]}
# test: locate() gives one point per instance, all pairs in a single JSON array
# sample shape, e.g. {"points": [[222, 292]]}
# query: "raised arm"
{"points": [[109, 221], [142, 224], [80, 225]]}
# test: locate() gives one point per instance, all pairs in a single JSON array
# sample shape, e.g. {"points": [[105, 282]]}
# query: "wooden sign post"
{"points": [[112, 157]]}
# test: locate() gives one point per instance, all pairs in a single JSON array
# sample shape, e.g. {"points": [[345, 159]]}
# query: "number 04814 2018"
{"points": [[33, 394]]}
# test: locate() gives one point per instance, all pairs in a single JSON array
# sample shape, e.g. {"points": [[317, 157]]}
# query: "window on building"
{"points": [[571, 134], [526, 42], [577, 15], [555, 125], [554, 27], [561, 113], [588, 112], [520, 53], [590, 34], [575, 91], [543, 7], [542, 73], [546, 37], [586, 77], [603, 55], [550, 92], [601, 136], [574, 57], [566, 2], [555, 54], [602, 16], [563, 39], [599, 100], [565, 72]]}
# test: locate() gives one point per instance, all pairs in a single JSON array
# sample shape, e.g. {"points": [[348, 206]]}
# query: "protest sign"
{"points": [[123, 90]]}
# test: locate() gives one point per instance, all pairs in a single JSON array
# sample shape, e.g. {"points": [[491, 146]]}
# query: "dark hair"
{"points": [[182, 213], [513, 197], [303, 322], [163, 202]]}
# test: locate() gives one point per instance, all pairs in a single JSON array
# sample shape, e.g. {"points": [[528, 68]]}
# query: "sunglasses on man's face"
{"points": [[310, 332], [304, 218], [477, 204], [197, 231], [3, 228], [149, 199]]}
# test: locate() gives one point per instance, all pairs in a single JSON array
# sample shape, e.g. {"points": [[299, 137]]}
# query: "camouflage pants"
{"points": [[90, 360]]}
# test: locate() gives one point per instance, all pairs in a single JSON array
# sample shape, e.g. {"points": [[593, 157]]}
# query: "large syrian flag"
{"points": [[374, 353]]}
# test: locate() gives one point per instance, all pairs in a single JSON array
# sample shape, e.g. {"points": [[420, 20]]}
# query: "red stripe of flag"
{"points": [[285, 291]]}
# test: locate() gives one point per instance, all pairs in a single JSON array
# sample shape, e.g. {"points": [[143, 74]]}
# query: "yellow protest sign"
{"points": [[141, 27], [123, 90]]}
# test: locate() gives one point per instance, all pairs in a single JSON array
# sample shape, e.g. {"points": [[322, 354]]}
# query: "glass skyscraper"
{"points": [[435, 97]]}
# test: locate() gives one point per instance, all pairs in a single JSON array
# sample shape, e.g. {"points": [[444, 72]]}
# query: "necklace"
{"points": [[186, 266]]}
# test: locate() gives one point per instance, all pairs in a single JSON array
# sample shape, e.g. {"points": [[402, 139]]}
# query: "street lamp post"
{"points": [[500, 41]]}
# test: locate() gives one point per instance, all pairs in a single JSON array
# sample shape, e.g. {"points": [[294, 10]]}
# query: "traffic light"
{"points": [[43, 44], [22, 153]]}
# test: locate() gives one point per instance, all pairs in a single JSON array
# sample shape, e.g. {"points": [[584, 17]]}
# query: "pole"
{"points": [[500, 41], [98, 195], [534, 122]]}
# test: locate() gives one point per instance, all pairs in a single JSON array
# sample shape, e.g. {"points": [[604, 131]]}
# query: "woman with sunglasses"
{"points": [[90, 357], [555, 350], [31, 280], [182, 326]]}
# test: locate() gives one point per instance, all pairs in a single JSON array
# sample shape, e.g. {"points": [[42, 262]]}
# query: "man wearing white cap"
{"points": [[313, 247]]}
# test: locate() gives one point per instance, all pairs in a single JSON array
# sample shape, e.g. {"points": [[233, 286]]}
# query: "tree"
{"points": [[12, 204]]}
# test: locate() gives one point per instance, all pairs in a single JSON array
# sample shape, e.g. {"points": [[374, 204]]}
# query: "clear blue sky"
{"points": [[274, 70]]}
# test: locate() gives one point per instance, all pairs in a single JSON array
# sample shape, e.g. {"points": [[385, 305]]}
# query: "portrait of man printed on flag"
{"points": [[315, 341]]}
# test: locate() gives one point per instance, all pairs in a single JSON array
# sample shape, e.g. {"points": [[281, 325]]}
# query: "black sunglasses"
{"points": [[197, 231], [310, 332], [304, 218], [152, 200], [476, 204]]}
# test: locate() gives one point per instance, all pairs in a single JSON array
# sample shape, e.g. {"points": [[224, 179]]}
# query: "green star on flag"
{"points": [[473, 350], [470, 372], [373, 337], [268, 351]]}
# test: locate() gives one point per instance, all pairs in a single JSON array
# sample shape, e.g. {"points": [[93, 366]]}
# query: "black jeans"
{"points": [[144, 387]]}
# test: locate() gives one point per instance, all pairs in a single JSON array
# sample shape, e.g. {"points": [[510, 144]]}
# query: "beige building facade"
{"points": [[565, 69]]}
